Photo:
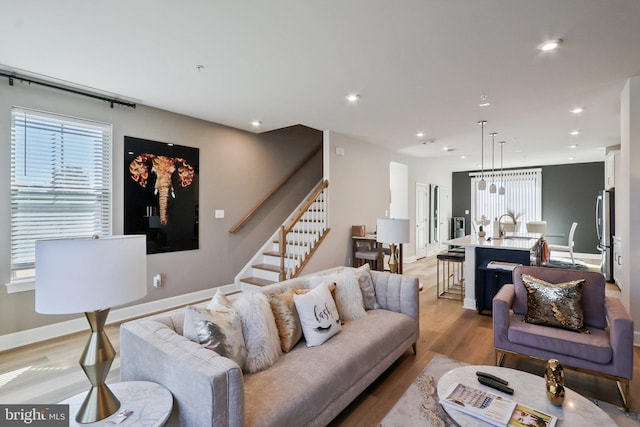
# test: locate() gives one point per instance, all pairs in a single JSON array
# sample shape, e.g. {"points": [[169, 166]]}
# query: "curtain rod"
{"points": [[111, 101]]}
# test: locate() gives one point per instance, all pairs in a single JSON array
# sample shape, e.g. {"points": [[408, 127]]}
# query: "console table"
{"points": [[378, 245]]}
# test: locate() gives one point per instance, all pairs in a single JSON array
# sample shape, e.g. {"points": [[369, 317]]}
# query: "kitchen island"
{"points": [[482, 280]]}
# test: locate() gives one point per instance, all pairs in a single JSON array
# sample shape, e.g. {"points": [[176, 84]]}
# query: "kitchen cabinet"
{"points": [[617, 260], [611, 161]]}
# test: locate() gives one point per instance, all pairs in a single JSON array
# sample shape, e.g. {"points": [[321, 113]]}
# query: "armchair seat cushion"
{"points": [[593, 347]]}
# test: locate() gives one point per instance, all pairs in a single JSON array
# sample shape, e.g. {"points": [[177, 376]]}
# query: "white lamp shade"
{"points": [[84, 274], [392, 230]]}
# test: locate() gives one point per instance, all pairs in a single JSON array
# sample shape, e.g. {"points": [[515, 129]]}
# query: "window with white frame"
{"points": [[60, 182], [523, 195]]}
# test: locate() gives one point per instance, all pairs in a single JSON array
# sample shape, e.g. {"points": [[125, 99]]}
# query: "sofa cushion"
{"points": [[347, 296], [363, 274], [259, 329], [318, 315], [594, 347], [554, 304], [287, 319], [220, 331], [592, 293], [310, 379]]}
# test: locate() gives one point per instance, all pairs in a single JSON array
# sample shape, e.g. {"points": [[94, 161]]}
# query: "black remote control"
{"points": [[495, 384], [492, 377]]}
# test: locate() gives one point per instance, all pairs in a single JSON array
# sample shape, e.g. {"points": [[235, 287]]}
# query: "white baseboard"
{"points": [[42, 333]]}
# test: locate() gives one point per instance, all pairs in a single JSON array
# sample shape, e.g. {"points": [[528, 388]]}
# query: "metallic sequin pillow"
{"points": [[554, 304]]}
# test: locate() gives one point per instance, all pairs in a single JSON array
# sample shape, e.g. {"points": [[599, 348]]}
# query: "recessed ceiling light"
{"points": [[484, 104], [573, 146], [353, 97], [463, 157], [256, 123], [420, 134], [549, 45], [576, 110], [574, 132], [572, 158], [447, 149]]}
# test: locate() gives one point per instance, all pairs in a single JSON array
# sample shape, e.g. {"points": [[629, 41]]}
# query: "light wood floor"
{"points": [[48, 372]]}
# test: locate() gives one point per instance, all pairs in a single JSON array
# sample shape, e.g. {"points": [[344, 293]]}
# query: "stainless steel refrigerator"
{"points": [[605, 226]]}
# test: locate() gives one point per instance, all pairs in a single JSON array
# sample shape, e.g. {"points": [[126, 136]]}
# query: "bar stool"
{"points": [[450, 285]]}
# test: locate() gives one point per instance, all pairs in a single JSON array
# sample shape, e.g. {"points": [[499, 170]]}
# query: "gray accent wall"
{"points": [[568, 194], [237, 169]]}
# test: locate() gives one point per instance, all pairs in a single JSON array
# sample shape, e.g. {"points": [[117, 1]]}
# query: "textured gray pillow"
{"points": [[220, 331], [363, 274], [554, 304]]}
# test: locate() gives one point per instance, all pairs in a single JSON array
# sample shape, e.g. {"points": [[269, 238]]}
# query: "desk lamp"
{"points": [[91, 275], [392, 231]]}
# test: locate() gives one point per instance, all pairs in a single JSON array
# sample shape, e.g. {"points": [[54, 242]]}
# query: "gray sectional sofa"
{"points": [[307, 386]]}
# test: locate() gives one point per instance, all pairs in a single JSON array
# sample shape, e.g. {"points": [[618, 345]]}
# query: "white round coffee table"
{"points": [[529, 390], [151, 404]]}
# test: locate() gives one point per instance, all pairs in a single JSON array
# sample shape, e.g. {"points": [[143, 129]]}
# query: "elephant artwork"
{"points": [[161, 186], [164, 168]]}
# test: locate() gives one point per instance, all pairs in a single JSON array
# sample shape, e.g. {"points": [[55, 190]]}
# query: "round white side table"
{"points": [[151, 404]]}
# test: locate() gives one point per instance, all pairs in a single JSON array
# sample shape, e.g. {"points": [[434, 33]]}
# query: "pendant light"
{"points": [[482, 184], [501, 190], [492, 187]]}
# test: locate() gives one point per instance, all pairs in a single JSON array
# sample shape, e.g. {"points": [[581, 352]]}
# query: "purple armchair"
{"points": [[607, 351]]}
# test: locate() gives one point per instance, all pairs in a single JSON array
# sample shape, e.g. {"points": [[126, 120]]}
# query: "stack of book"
{"points": [[494, 409]]}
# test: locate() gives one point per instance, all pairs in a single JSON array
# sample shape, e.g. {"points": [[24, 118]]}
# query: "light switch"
{"points": [[219, 213], [339, 151], [466, 211]]}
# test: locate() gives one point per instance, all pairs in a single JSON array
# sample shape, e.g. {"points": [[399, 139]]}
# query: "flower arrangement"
{"points": [[514, 215]]}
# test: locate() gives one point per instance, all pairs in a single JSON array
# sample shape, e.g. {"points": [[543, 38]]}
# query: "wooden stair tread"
{"points": [[257, 281], [267, 267]]}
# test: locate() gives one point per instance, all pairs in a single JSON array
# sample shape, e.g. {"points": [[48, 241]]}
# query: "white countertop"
{"points": [[513, 241]]}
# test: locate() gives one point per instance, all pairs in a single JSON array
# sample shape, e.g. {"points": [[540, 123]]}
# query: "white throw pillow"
{"points": [[259, 330], [318, 315], [348, 296]]}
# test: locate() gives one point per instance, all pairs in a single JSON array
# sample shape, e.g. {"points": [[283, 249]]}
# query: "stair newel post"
{"points": [[282, 247]]}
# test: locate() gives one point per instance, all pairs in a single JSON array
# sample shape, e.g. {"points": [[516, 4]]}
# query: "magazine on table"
{"points": [[493, 408]]}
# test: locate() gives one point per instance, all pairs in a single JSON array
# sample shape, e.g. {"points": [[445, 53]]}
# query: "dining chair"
{"points": [[537, 227], [367, 252], [569, 246]]}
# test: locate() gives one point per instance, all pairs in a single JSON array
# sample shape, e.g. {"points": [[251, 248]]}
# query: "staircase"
{"points": [[288, 250]]}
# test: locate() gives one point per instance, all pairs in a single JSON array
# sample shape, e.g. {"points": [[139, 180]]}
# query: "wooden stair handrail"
{"points": [[253, 211], [324, 184]]}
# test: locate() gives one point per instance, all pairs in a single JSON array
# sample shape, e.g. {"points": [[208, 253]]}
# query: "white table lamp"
{"points": [[392, 231], [91, 275]]}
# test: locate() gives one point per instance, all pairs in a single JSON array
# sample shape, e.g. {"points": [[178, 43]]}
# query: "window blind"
{"points": [[523, 194], [60, 181]]}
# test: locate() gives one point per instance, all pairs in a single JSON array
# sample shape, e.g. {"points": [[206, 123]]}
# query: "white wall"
{"points": [[628, 199], [237, 169], [358, 194]]}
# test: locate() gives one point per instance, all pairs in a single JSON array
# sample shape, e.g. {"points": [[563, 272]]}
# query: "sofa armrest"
{"points": [[397, 292], [207, 388], [501, 307], [621, 335]]}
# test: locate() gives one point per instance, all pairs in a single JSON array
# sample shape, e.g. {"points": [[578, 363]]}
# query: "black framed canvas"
{"points": [[161, 194]]}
